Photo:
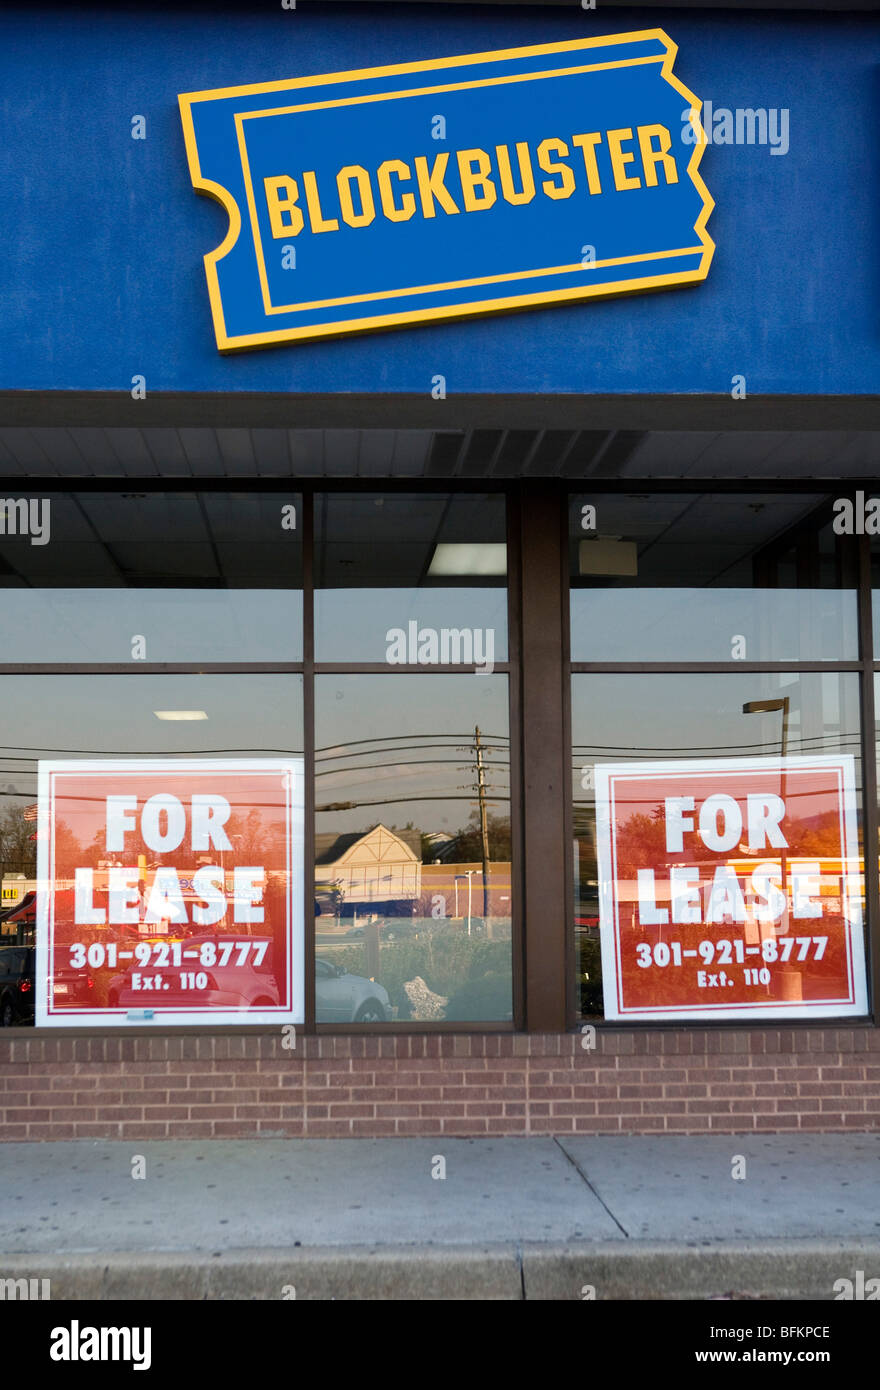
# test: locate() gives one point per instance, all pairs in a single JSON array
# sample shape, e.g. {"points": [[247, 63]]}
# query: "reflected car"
{"points": [[339, 996], [395, 930], [16, 985], [70, 986], [344, 998], [18, 980], [227, 986]]}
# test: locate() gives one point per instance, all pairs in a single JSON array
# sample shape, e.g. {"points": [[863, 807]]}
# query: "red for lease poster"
{"points": [[730, 888], [170, 891]]}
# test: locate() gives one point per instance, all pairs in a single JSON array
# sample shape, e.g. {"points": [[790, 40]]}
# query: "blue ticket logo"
{"points": [[443, 189]]}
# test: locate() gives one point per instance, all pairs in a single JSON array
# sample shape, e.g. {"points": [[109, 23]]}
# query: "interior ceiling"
{"points": [[155, 452], [182, 538]]}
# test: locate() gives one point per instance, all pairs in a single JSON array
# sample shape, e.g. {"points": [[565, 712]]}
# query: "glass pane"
{"points": [[156, 577], [709, 577], [89, 720], [864, 516], [413, 881], [709, 720], [411, 579]]}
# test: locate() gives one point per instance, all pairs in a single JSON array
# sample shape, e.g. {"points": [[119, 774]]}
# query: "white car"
{"points": [[339, 997]]}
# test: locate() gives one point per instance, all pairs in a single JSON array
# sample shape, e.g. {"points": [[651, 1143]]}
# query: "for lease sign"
{"points": [[730, 888], [170, 891]]}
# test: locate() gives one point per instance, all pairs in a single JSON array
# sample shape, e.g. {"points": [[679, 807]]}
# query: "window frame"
{"points": [[309, 669], [543, 959], [856, 560]]}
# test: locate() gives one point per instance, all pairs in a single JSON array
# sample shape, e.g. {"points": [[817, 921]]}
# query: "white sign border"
{"points": [[852, 909], [206, 1017]]}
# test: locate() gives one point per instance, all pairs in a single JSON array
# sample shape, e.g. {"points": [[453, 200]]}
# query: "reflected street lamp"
{"points": [[769, 707]]}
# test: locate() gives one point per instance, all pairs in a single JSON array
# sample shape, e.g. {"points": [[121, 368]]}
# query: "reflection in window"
{"points": [[155, 577], [647, 718], [709, 577], [413, 889], [86, 718], [415, 580]]}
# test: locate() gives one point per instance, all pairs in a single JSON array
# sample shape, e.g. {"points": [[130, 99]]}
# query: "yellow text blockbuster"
{"points": [[471, 180]]}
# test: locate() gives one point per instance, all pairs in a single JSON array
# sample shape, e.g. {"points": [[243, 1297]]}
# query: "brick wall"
{"points": [[221, 1085]]}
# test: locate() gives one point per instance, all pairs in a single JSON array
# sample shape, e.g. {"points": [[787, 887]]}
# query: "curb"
{"points": [[619, 1270]]}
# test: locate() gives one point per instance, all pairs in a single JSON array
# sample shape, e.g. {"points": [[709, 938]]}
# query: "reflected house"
{"points": [[378, 871]]}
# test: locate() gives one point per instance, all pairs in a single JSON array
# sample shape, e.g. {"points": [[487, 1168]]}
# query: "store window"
{"points": [[413, 853], [411, 579], [147, 804], [186, 924], [413, 846], [718, 842], [717, 815], [154, 577], [714, 577], [163, 810]]}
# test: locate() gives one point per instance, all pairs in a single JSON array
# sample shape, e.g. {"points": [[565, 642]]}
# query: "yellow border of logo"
{"points": [[451, 312]]}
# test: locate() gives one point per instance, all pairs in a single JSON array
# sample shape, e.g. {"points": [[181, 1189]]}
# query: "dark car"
{"points": [[16, 985], [72, 987]]}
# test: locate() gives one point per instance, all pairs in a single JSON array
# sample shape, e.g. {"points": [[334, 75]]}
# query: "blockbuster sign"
{"points": [[438, 190]]}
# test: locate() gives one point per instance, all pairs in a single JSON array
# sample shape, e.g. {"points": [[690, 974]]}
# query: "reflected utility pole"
{"points": [[781, 704], [484, 823]]}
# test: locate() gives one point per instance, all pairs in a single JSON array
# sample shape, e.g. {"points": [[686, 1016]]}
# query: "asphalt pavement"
{"points": [[620, 1217]]}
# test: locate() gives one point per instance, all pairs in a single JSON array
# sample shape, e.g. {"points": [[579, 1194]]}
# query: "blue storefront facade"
{"points": [[439, 446]]}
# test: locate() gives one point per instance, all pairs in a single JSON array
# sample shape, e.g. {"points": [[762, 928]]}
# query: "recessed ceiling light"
{"points": [[465, 559], [180, 714]]}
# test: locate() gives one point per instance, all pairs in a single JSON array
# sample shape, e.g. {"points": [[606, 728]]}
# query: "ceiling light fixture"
{"points": [[460, 559]]}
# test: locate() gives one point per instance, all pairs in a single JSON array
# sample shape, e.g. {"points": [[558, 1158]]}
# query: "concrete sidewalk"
{"points": [[631, 1217]]}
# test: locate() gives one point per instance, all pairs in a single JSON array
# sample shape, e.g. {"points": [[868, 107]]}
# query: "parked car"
{"points": [[18, 963], [344, 998], [340, 997], [71, 986], [227, 986], [16, 985], [395, 930]]}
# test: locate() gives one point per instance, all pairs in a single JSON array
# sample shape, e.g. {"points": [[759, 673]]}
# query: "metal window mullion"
{"points": [[309, 759], [870, 817], [515, 771]]}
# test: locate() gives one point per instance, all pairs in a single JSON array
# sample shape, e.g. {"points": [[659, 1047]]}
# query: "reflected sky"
{"points": [[353, 624], [642, 717], [402, 748], [686, 624], [181, 625], [114, 716]]}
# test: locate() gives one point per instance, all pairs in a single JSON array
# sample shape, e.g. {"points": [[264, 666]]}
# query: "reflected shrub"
{"points": [[472, 973]]}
